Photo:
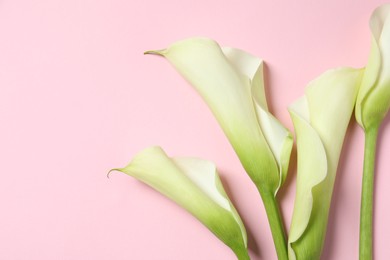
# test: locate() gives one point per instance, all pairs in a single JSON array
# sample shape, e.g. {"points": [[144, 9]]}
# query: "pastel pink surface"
{"points": [[77, 97]]}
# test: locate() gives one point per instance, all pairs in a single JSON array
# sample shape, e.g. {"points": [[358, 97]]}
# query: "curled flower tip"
{"points": [[112, 170], [155, 52]]}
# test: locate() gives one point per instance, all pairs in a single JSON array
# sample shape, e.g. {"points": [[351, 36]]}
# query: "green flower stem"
{"points": [[242, 254], [276, 224], [366, 207]]}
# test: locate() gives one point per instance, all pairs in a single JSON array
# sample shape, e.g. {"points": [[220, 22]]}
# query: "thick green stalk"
{"points": [[366, 207], [276, 224]]}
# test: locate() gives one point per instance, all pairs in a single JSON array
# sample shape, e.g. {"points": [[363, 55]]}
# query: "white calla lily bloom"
{"points": [[320, 120], [372, 106], [231, 83], [194, 185], [373, 101]]}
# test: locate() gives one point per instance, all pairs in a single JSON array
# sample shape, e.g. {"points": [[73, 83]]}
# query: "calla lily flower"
{"points": [[320, 120], [194, 185], [230, 81], [372, 105], [373, 100]]}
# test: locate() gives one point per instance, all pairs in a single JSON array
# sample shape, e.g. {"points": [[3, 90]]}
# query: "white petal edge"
{"points": [[309, 144], [204, 175]]}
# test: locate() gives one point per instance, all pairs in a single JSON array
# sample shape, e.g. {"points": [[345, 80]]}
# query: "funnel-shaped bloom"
{"points": [[320, 119], [373, 100], [372, 105], [231, 83], [193, 184]]}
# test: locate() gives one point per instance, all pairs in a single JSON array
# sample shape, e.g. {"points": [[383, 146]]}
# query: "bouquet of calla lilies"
{"points": [[231, 83]]}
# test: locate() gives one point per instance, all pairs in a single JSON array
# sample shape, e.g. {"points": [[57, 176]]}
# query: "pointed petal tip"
{"points": [[112, 170], [155, 52]]}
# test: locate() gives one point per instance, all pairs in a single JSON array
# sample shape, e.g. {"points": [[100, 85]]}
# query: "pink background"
{"points": [[77, 97]]}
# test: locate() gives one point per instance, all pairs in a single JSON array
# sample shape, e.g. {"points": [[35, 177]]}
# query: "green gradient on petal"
{"points": [[231, 83], [373, 101], [278, 137], [194, 185], [320, 119]]}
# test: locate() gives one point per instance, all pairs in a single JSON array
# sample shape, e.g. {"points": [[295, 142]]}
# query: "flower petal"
{"points": [[373, 100], [314, 157], [278, 137], [230, 81], [320, 119], [204, 175], [194, 185]]}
